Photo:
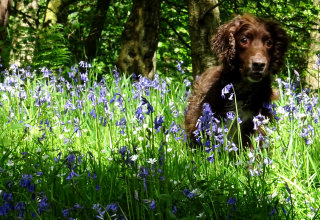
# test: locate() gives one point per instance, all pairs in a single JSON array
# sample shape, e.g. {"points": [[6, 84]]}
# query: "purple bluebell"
{"points": [[158, 123], [26, 182], [152, 206], [93, 113], [71, 175], [56, 159], [65, 213], [112, 206], [43, 205], [139, 114], [226, 90], [144, 101]]}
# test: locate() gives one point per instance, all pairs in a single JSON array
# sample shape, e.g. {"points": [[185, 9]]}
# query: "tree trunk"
{"points": [[96, 28], [5, 6], [313, 75], [24, 34], [140, 38], [204, 20]]}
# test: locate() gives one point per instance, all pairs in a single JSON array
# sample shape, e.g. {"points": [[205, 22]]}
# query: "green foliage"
{"points": [[51, 48], [82, 149], [74, 23]]}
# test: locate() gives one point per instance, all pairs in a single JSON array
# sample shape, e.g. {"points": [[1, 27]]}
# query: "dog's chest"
{"points": [[242, 108]]}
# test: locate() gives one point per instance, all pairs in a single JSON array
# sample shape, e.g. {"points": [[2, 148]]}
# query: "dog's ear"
{"points": [[223, 42], [280, 45]]}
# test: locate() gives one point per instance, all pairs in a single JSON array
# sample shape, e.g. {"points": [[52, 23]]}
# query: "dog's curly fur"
{"points": [[251, 51]]}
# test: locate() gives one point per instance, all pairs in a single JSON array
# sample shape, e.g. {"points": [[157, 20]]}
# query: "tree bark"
{"points": [[5, 6], [140, 39], [96, 28], [204, 19], [313, 75]]}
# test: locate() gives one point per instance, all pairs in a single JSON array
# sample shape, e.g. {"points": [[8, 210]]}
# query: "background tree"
{"points": [[204, 21], [96, 28], [140, 38], [5, 6], [313, 74]]}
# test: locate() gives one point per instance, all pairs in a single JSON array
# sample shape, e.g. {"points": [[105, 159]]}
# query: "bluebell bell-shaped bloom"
{"points": [[112, 206], [26, 182], [226, 90], [152, 206], [139, 114], [65, 213], [43, 205], [144, 101], [56, 159], [93, 113], [158, 123], [72, 174]]}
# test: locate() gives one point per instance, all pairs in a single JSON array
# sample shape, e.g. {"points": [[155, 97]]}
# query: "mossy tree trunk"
{"points": [[204, 19], [140, 39], [313, 75]]}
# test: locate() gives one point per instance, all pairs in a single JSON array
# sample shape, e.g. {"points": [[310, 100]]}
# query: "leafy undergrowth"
{"points": [[116, 149]]}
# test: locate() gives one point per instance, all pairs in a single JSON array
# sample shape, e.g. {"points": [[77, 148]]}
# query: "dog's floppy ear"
{"points": [[223, 42], [280, 44]]}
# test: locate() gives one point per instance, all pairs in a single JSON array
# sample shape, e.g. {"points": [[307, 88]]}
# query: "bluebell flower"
{"points": [[123, 151], [71, 158], [284, 211], [139, 114], [274, 211], [4, 210], [20, 208], [43, 205], [77, 206], [144, 101], [56, 159], [158, 123], [84, 64], [69, 105], [152, 206], [65, 213], [46, 73], [317, 67], [112, 206], [93, 113], [230, 115], [72, 174], [232, 201], [179, 68], [6, 196], [84, 77], [189, 194], [226, 90], [211, 158], [26, 182], [174, 210]]}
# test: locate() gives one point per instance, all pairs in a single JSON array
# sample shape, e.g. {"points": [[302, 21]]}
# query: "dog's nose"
{"points": [[258, 66]]}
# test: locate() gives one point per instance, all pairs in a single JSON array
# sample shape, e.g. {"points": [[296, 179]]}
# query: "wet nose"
{"points": [[258, 66], [258, 63]]}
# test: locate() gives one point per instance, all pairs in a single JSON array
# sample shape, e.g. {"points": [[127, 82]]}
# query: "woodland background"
{"points": [[141, 35]]}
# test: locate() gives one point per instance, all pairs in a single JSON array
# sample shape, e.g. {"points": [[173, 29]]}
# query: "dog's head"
{"points": [[255, 46]]}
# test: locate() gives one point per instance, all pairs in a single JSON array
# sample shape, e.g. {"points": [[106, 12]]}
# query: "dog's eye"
{"points": [[244, 40], [269, 43]]}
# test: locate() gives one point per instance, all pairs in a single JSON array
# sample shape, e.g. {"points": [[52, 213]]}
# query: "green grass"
{"points": [[125, 168]]}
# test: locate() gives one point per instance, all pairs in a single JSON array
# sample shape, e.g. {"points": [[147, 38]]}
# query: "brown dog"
{"points": [[251, 50]]}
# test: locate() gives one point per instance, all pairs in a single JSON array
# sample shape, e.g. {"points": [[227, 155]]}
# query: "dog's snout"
{"points": [[258, 63], [258, 66]]}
